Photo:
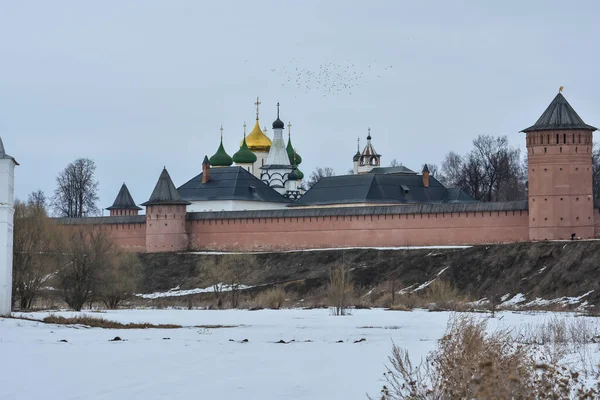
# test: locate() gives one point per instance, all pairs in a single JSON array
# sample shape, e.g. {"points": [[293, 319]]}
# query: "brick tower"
{"points": [[124, 204], [165, 217], [559, 150]]}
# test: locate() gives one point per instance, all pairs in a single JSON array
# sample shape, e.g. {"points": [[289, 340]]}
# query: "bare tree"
{"points": [[36, 250], [491, 171], [76, 190], [596, 170], [394, 163], [226, 275], [119, 280], [340, 289], [89, 251], [318, 174], [214, 276]]}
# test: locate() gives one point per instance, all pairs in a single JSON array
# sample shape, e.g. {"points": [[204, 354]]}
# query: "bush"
{"points": [[472, 364], [97, 322], [340, 290], [272, 298]]}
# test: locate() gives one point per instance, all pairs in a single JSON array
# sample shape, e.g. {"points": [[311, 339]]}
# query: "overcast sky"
{"points": [[138, 85]]}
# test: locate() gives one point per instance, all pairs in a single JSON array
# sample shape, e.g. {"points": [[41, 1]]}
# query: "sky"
{"points": [[141, 84]]}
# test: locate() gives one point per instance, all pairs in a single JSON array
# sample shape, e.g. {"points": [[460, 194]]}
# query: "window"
{"points": [[557, 138], [564, 138]]}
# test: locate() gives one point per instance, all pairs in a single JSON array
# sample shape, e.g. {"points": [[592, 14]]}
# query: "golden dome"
{"points": [[257, 140]]}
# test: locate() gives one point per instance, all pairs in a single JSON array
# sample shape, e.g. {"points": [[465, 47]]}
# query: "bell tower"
{"points": [[559, 150]]}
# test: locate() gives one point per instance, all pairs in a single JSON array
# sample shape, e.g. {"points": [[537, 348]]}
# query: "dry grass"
{"points": [[96, 322], [271, 298], [470, 363]]}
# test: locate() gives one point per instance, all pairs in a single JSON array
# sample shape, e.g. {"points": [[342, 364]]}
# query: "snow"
{"points": [[175, 292], [204, 363], [332, 249], [516, 299]]}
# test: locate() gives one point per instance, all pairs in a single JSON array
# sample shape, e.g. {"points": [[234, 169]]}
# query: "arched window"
{"points": [[564, 138]]}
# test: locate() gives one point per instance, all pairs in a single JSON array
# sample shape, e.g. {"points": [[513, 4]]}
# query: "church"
{"points": [[255, 200], [264, 174]]}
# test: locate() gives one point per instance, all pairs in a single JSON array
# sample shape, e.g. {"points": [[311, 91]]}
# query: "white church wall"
{"points": [[232, 205], [7, 168]]}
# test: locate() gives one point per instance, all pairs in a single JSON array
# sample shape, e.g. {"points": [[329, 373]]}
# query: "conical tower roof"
{"points": [[124, 201], [221, 158], [559, 116], [244, 155], [164, 192]]}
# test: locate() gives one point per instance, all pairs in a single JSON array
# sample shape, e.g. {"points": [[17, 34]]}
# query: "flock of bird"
{"points": [[330, 79]]}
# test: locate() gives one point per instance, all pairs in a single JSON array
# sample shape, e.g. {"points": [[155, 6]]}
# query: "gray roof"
{"points": [[380, 188], [3, 155], [559, 116], [229, 183], [118, 219], [360, 211], [124, 201], [392, 170], [164, 192]]}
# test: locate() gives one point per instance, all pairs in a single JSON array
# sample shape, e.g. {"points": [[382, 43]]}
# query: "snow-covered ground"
{"points": [[205, 364]]}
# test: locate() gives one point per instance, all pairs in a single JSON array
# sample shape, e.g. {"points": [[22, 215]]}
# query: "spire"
{"points": [[357, 155], [559, 116], [278, 124], [124, 201], [205, 161], [244, 128], [369, 135], [425, 168], [164, 192]]}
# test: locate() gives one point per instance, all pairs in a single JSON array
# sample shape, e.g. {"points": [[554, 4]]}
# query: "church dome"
{"points": [[356, 156], [221, 158], [290, 151], [278, 124], [299, 174], [257, 140], [293, 176], [244, 155]]}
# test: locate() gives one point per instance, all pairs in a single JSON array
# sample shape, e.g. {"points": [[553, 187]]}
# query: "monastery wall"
{"points": [[127, 232], [376, 230]]}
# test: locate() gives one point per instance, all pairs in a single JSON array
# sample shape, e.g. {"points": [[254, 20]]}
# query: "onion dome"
{"points": [[257, 140], [278, 124], [221, 158], [299, 174], [356, 156], [293, 176], [244, 155]]}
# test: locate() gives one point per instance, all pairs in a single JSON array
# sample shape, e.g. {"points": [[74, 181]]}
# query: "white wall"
{"points": [[232, 205], [7, 168]]}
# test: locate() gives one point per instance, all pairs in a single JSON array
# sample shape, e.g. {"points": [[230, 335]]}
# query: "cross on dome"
{"points": [[257, 104], [289, 128], [221, 132], [244, 128]]}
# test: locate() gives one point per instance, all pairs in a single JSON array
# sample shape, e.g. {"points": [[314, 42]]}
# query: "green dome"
{"points": [[221, 158], [244, 155], [299, 174], [290, 152]]}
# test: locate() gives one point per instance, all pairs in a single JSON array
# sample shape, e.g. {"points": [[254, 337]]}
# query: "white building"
{"points": [[7, 179]]}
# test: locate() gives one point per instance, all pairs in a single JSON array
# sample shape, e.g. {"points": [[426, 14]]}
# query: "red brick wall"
{"points": [[130, 237], [350, 231]]}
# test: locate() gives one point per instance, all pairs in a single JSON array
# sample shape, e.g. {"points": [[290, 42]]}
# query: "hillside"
{"points": [[546, 270]]}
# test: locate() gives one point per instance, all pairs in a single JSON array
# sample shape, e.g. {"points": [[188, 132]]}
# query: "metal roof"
{"points": [[229, 183], [559, 116], [124, 201], [392, 170], [360, 211], [164, 192], [379, 188], [118, 219]]}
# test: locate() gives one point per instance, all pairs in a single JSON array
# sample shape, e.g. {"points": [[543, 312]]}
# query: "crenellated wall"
{"points": [[127, 232]]}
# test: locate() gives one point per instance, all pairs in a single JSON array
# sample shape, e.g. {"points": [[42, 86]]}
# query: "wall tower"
{"points": [[165, 217], [124, 204], [559, 150]]}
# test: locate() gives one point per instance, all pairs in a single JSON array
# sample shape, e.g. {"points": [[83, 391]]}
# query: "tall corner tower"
{"points": [[559, 150], [165, 217], [7, 179]]}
